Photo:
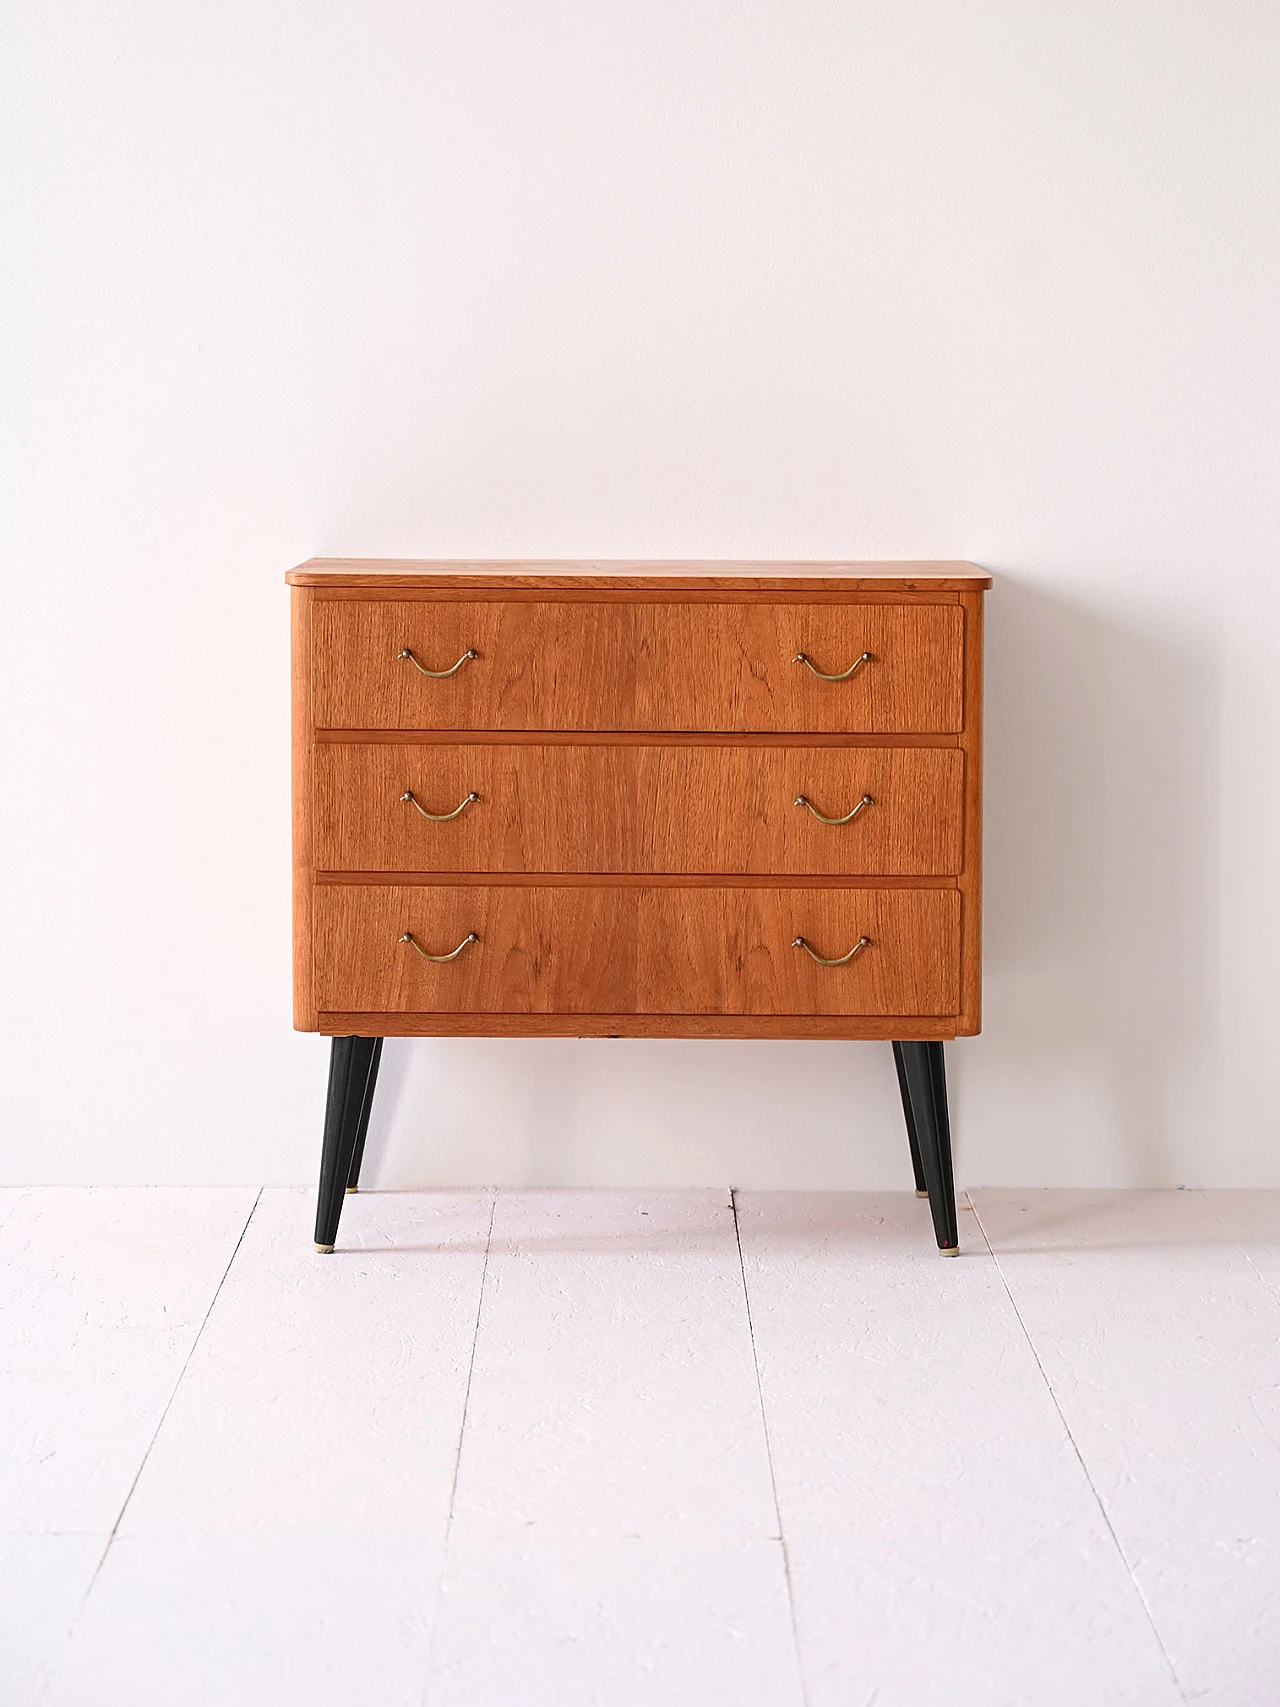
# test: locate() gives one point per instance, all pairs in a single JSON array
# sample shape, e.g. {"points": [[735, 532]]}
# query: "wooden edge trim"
{"points": [[634, 577], [303, 798], [549, 589], [623, 738], [969, 1021], [626, 880], [847, 1027], [925, 571]]}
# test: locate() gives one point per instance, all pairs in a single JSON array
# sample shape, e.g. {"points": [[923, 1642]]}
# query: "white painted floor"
{"points": [[638, 1447]]}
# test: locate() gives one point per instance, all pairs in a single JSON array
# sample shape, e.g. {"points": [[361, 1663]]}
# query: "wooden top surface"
{"points": [[472, 574]]}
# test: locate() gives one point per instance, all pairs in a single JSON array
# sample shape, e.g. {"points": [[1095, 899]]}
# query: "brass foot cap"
{"points": [[352, 1188], [922, 1194], [948, 1250], [324, 1247]]}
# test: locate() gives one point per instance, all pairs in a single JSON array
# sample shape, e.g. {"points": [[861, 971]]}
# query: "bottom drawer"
{"points": [[635, 949]]}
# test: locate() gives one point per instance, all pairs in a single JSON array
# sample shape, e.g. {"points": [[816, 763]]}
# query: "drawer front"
{"points": [[569, 665], [634, 809], [597, 949]]}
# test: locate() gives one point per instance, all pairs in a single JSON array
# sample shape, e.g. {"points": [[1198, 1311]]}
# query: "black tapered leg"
{"points": [[348, 1078], [917, 1166], [927, 1087], [366, 1109]]}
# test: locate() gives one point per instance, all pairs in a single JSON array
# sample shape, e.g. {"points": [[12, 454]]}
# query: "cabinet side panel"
{"points": [[969, 1020], [305, 1017]]}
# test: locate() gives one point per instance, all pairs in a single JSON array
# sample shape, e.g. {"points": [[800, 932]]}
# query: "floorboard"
{"points": [[43, 1582], [630, 1447], [103, 1292], [1252, 1220], [943, 1539], [266, 1618], [327, 1391], [556, 1620], [614, 1471], [1161, 1342], [285, 1539]]}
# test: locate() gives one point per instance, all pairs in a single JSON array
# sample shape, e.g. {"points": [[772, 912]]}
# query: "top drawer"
{"points": [[560, 664]]}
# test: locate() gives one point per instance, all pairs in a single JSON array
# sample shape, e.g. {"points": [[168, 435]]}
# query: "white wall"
{"points": [[870, 278]]}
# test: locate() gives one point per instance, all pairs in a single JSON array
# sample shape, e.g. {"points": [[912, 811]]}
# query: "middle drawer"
{"points": [[630, 808]]}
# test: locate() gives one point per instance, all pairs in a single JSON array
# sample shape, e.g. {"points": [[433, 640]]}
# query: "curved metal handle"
{"points": [[441, 817], [439, 958], [841, 959], [804, 658], [804, 800], [439, 675]]}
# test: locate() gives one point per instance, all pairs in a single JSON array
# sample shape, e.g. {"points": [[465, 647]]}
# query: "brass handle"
{"points": [[439, 675], [440, 817], [439, 958], [804, 800], [841, 959], [804, 658]]}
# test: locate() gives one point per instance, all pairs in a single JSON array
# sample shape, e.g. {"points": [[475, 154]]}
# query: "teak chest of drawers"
{"points": [[637, 800]]}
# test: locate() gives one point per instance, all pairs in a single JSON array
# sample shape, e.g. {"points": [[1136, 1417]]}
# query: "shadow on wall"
{"points": [[1101, 941], [1101, 931], [637, 1112]]}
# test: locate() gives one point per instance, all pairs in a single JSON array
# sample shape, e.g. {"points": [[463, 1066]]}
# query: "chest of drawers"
{"points": [[638, 800]]}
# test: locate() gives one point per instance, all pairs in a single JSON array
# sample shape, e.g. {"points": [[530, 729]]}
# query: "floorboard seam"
{"points": [[1079, 1456], [168, 1405], [768, 1450], [457, 1457]]}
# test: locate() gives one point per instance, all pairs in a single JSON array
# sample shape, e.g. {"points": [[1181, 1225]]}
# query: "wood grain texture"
{"points": [[631, 738], [732, 950], [626, 879], [641, 724], [849, 1028], [511, 574], [631, 949], [647, 809], [685, 666], [605, 592], [541, 950], [969, 1022], [304, 1011]]}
